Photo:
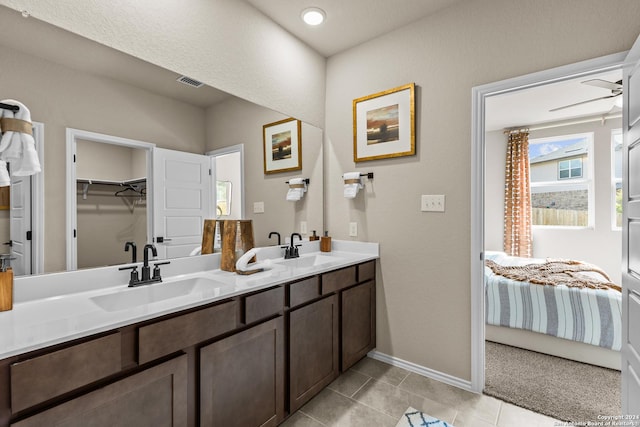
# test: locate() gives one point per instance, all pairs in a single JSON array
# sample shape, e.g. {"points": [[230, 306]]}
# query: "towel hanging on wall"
{"points": [[297, 188], [352, 184], [17, 145]]}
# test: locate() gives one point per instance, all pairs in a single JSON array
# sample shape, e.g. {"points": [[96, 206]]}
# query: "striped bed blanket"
{"points": [[591, 316]]}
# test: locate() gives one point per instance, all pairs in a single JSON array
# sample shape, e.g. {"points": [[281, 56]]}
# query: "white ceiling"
{"points": [[529, 107], [348, 22]]}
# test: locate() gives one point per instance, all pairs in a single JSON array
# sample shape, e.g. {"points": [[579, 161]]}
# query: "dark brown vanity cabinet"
{"points": [[246, 361], [242, 378], [358, 323], [313, 349], [154, 397]]}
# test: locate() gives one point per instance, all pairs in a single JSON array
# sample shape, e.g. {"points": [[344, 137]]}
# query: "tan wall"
{"points": [[61, 97], [424, 304], [280, 215], [105, 223], [599, 245]]}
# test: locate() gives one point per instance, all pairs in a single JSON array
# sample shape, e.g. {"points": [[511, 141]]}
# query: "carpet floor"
{"points": [[561, 388]]}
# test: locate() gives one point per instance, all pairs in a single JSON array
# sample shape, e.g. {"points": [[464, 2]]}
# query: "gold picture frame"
{"points": [[384, 124], [282, 146]]}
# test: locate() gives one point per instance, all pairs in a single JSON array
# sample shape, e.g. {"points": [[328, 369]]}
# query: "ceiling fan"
{"points": [[614, 87]]}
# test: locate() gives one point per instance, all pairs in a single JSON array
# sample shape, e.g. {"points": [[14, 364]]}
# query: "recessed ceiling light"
{"points": [[313, 16]]}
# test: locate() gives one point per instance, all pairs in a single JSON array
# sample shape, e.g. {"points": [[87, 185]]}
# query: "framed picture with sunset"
{"points": [[282, 144], [384, 124]]}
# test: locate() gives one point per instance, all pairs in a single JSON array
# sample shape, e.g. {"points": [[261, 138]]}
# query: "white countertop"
{"points": [[56, 308]]}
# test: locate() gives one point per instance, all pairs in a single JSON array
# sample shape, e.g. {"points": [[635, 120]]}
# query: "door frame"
{"points": [[72, 135], [238, 148], [479, 94]]}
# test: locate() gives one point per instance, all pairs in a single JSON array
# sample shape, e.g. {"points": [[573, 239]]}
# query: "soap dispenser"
{"points": [[314, 236], [6, 283], [325, 242]]}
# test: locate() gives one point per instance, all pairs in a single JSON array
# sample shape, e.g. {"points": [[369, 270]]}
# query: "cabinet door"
{"points": [[313, 349], [154, 397], [242, 378], [358, 323]]}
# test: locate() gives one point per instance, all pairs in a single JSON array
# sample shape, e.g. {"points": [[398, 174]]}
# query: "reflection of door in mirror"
{"points": [[111, 202], [21, 217]]}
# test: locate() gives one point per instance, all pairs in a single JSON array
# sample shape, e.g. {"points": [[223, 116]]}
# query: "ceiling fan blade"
{"points": [[582, 102], [604, 84]]}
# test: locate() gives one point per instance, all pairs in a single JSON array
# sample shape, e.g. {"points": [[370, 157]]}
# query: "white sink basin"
{"points": [[147, 294], [307, 261]]}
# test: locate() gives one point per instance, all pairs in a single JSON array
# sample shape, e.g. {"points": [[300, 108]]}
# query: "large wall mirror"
{"points": [[73, 84]]}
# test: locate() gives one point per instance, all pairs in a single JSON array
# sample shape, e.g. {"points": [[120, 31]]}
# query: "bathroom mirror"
{"points": [[69, 82]]}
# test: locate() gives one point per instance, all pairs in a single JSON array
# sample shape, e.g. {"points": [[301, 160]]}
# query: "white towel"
{"points": [[18, 148], [295, 194], [351, 190]]}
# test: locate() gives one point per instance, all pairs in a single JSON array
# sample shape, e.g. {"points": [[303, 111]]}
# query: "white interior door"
{"points": [[182, 191], [20, 224], [631, 236]]}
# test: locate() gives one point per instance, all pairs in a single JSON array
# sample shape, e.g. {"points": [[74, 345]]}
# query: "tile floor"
{"points": [[373, 393]]}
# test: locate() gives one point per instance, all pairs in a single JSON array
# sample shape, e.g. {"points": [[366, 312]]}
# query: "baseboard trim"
{"points": [[421, 370]]}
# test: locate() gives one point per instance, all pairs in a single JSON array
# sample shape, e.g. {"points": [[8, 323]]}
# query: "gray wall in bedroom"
{"points": [[599, 245]]}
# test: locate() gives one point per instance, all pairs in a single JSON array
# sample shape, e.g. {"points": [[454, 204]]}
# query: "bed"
{"points": [[578, 323]]}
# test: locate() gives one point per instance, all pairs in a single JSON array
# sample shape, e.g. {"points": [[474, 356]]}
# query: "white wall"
{"points": [[424, 305], [225, 43], [600, 244]]}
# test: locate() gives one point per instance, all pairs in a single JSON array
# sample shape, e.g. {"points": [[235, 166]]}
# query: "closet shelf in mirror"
{"points": [[131, 188]]}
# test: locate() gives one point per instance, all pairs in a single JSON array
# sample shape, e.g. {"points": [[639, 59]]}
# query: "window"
{"points": [[223, 198], [616, 179], [568, 169], [561, 180]]}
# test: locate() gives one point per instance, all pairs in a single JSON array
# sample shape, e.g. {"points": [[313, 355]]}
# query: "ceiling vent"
{"points": [[189, 81]]}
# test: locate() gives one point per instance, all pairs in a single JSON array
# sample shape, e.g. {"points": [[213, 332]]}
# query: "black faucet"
{"points": [[147, 278], [134, 250], [277, 234], [292, 250], [146, 271]]}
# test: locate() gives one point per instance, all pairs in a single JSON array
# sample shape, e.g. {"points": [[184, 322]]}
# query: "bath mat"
{"points": [[414, 418]]}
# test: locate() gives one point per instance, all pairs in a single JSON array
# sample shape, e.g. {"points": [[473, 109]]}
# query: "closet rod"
{"points": [[13, 108]]}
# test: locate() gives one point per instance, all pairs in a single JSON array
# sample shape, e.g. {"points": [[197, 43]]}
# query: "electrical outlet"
{"points": [[258, 207], [303, 227], [432, 203], [353, 229]]}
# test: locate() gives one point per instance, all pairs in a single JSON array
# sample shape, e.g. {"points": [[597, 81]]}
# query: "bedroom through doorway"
{"points": [[553, 340]]}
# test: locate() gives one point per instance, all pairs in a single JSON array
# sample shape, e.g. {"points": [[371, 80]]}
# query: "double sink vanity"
{"points": [[204, 347]]}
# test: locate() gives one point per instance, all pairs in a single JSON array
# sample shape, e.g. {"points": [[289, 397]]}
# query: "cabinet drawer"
{"points": [[303, 291], [171, 335], [339, 279], [263, 304], [36, 380], [155, 397], [367, 271]]}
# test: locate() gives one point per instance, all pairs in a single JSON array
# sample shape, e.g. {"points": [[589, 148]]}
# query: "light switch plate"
{"points": [[432, 203], [258, 207], [353, 229], [303, 227]]}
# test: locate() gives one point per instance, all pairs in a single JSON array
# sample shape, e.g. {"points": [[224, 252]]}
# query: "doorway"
{"points": [[478, 176], [227, 174], [107, 198]]}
